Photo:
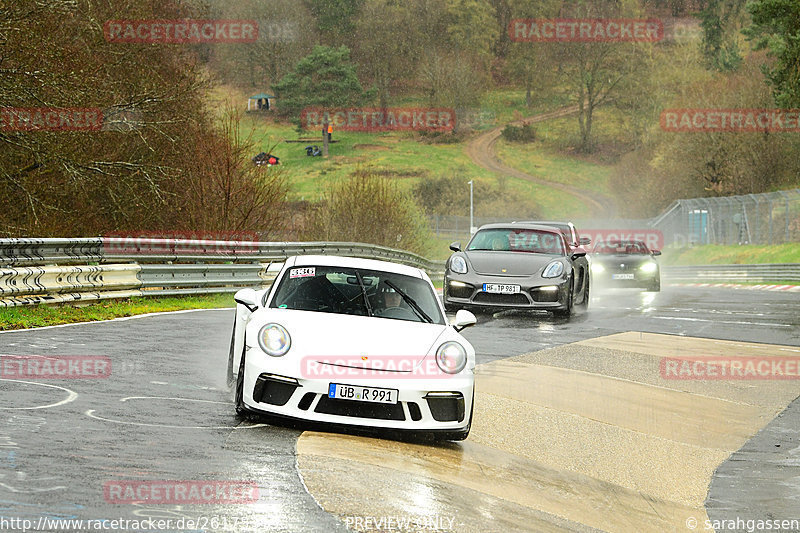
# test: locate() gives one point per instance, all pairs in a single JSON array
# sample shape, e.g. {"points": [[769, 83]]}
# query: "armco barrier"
{"points": [[62, 270], [764, 273], [56, 270]]}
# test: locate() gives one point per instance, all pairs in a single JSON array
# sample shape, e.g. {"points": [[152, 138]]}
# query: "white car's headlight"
{"points": [[553, 270], [458, 264], [650, 266], [451, 357], [274, 339], [597, 268]]}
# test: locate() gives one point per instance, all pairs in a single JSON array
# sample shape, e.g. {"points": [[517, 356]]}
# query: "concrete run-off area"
{"points": [[581, 437]]}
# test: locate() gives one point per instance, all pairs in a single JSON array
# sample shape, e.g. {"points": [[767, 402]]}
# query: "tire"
{"points": [[229, 380], [241, 410], [584, 305], [656, 286], [566, 313]]}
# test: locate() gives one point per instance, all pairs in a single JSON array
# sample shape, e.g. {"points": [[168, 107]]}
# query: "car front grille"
{"points": [[505, 299], [544, 296], [460, 292], [349, 408], [447, 407], [273, 390]]}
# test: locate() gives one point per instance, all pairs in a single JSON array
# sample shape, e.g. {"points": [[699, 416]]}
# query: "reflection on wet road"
{"points": [[586, 435]]}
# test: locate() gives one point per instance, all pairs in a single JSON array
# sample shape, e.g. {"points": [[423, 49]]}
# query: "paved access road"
{"points": [[164, 412]]}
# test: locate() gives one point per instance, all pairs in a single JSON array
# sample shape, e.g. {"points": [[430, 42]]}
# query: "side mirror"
{"points": [[656, 252], [585, 241], [578, 252], [455, 246], [248, 298], [463, 319]]}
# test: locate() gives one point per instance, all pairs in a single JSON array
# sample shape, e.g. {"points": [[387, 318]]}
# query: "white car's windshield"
{"points": [[361, 292]]}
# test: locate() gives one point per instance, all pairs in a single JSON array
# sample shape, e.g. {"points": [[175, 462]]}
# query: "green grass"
{"points": [[508, 105], [34, 316], [542, 162], [397, 154], [712, 254], [401, 156]]}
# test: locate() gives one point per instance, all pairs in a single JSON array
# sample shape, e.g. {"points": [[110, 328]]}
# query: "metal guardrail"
{"points": [[764, 273], [57, 270], [61, 270]]}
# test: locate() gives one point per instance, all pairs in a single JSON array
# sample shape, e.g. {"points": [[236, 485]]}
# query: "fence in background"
{"points": [[769, 218]]}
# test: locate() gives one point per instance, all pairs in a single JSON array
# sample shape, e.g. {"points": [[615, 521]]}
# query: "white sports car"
{"points": [[351, 341]]}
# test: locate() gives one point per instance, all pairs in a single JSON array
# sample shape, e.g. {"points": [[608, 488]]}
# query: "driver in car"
{"points": [[391, 299]]}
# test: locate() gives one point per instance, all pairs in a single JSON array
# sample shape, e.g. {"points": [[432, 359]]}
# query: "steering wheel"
{"points": [[397, 312]]}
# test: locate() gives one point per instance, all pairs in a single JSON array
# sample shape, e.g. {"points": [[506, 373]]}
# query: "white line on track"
{"points": [[71, 395]]}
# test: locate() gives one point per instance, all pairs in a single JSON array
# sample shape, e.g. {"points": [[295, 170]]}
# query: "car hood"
{"points": [[353, 338], [508, 263]]}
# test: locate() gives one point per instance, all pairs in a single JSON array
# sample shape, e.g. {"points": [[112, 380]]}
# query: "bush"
{"points": [[449, 195], [368, 208], [520, 134]]}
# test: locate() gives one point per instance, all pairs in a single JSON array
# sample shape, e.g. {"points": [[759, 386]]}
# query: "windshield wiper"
{"points": [[411, 302], [364, 293]]}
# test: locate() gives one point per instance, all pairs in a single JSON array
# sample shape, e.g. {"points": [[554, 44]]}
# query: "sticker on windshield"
{"points": [[302, 272]]}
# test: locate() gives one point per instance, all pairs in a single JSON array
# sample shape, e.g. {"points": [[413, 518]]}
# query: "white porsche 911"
{"points": [[356, 342]]}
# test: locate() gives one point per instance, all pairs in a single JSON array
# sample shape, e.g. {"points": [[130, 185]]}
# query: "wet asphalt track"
{"points": [[164, 414]]}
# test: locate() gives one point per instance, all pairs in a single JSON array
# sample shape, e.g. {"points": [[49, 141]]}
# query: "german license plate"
{"points": [[497, 288], [362, 394], [622, 276]]}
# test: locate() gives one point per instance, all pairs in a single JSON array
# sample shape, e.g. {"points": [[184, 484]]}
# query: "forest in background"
{"points": [[185, 165]]}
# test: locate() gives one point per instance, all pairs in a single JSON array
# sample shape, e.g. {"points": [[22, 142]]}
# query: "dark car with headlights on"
{"points": [[625, 263], [516, 266]]}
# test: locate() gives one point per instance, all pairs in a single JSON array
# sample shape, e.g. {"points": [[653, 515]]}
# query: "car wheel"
{"points": [[584, 305], [656, 286], [230, 354], [241, 409], [565, 313]]}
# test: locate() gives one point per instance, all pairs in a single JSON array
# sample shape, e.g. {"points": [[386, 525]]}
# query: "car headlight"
{"points": [[649, 267], [451, 357], [553, 270], [458, 264], [274, 339], [597, 268]]}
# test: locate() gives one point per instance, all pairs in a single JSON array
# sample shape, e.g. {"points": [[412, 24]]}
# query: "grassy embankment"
{"points": [[34, 316], [406, 157]]}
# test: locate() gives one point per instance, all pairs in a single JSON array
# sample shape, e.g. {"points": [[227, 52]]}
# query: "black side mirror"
{"points": [[247, 298], [578, 252], [455, 246], [656, 252]]}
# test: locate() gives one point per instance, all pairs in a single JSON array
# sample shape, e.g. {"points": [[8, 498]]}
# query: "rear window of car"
{"points": [[327, 289], [517, 240]]}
